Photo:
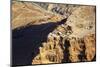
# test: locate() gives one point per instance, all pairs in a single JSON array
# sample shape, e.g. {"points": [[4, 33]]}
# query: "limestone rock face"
{"points": [[72, 41], [57, 50], [79, 47], [79, 32], [50, 52], [82, 21], [24, 13]]}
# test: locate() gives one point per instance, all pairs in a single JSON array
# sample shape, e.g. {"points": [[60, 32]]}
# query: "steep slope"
{"points": [[24, 13], [73, 41], [44, 33]]}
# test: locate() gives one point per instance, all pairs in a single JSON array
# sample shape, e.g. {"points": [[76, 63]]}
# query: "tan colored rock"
{"points": [[79, 31], [74, 50], [90, 46], [82, 21], [24, 13], [53, 54], [76, 45]]}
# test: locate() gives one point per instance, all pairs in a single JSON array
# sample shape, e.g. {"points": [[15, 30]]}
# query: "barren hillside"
{"points": [[44, 33]]}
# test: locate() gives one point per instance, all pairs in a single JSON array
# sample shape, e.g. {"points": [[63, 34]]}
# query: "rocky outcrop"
{"points": [[51, 52], [24, 13], [75, 38], [72, 41], [74, 50]]}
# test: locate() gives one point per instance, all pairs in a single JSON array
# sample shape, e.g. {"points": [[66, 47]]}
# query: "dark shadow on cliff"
{"points": [[27, 40], [66, 52]]}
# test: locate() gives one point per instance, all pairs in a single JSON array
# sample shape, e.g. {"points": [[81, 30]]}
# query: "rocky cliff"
{"points": [[71, 41], [60, 50]]}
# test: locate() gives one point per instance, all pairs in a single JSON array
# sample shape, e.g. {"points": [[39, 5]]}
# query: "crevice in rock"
{"points": [[66, 52]]}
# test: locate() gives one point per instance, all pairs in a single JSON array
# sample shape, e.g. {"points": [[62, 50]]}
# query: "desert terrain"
{"points": [[48, 33]]}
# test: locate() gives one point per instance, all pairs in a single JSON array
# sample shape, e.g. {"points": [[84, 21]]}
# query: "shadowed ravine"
{"points": [[28, 39]]}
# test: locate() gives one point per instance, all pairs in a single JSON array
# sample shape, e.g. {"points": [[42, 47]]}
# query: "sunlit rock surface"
{"points": [[79, 31], [73, 41]]}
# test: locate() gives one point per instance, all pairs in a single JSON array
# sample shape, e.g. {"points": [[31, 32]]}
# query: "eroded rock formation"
{"points": [[51, 52], [79, 32], [54, 49], [72, 41]]}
